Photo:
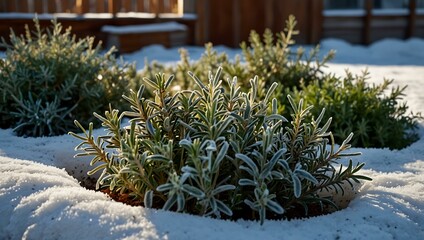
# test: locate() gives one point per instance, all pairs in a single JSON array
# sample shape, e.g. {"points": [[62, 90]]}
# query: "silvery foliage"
{"points": [[216, 151]]}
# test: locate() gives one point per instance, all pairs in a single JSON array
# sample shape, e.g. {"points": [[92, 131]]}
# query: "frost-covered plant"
{"points": [[355, 106], [209, 61], [273, 58], [375, 113], [48, 79], [217, 151]]}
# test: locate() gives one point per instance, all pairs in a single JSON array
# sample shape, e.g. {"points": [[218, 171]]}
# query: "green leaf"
{"points": [[274, 206], [164, 187], [98, 168], [248, 161], [247, 182], [223, 188], [222, 207], [297, 186], [148, 199], [193, 191]]}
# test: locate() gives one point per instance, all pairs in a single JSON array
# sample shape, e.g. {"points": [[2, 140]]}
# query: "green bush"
{"points": [[366, 110], [49, 78], [374, 113], [208, 62], [273, 59], [217, 151]]}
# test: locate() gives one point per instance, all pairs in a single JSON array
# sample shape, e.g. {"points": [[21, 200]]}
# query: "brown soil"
{"points": [[294, 213], [123, 198]]}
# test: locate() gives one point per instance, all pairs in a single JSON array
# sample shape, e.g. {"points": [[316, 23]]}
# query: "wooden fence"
{"points": [[370, 24], [89, 6], [88, 17], [225, 21], [230, 21]]}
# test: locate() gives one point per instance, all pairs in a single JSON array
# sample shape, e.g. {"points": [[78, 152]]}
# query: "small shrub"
{"points": [[274, 60], [48, 79], [375, 113], [208, 61], [217, 151], [270, 57]]}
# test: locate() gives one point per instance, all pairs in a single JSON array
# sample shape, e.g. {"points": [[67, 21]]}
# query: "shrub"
{"points": [[209, 61], [375, 113], [270, 57], [48, 79], [217, 151], [357, 107], [274, 60]]}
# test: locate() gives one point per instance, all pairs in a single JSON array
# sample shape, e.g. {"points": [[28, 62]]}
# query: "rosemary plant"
{"points": [[216, 151]]}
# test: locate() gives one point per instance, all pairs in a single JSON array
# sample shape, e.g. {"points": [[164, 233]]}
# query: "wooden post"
{"points": [[10, 6], [140, 6], [316, 21], [236, 22], [23, 5], [156, 7], [411, 18], [38, 6], [83, 6], [52, 8], [126, 5], [269, 14], [202, 25], [113, 6], [367, 22]]}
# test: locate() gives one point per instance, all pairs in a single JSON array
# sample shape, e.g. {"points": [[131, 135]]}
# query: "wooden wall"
{"points": [[89, 6], [230, 21], [370, 24]]}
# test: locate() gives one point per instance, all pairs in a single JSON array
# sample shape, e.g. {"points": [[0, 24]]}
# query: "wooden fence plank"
{"points": [[316, 21], [51, 6], [101, 7], [38, 6], [113, 6], [140, 6], [126, 6], [269, 14], [219, 23], [82, 6], [367, 22], [411, 18], [66, 6], [160, 6], [201, 28], [23, 5], [10, 6]]}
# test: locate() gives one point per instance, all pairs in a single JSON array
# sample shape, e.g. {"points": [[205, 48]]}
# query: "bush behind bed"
{"points": [[49, 78], [377, 118]]}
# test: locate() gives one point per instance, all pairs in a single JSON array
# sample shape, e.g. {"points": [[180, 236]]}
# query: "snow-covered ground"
{"points": [[39, 199]]}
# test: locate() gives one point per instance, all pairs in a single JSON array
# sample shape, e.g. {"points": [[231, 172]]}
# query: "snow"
{"points": [[41, 198], [344, 13], [390, 12], [145, 28], [185, 16]]}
